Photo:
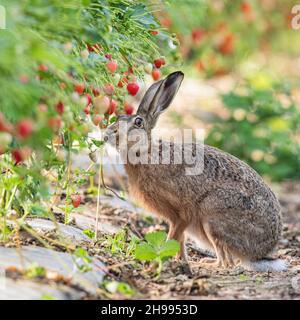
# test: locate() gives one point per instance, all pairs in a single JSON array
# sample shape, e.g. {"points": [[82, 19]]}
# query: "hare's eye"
{"points": [[138, 122]]}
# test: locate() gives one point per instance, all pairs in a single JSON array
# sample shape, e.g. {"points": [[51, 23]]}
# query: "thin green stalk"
{"points": [[68, 180], [98, 196]]}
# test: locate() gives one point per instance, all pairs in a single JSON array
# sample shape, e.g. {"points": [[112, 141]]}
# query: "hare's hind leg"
{"points": [[223, 254]]}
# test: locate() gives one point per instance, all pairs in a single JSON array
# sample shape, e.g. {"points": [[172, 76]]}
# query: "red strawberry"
{"points": [[96, 119], [112, 66], [226, 46], [76, 200], [62, 86], [158, 63], [112, 107], [108, 56], [128, 108], [246, 7], [133, 88], [88, 98], [60, 107], [55, 123], [156, 74], [19, 155], [130, 70], [122, 82], [24, 78], [87, 110], [96, 92], [94, 48], [42, 108], [79, 88], [43, 68], [24, 128], [247, 10], [166, 22], [197, 35], [199, 65], [154, 32], [4, 125], [109, 89]]}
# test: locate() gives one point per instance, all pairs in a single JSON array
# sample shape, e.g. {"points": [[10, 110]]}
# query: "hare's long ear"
{"points": [[159, 97], [148, 98]]}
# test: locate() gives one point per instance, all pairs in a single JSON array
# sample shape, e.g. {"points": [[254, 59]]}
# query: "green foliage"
{"points": [[156, 247], [35, 271], [89, 233], [122, 288], [122, 243], [262, 128], [82, 260], [53, 66]]}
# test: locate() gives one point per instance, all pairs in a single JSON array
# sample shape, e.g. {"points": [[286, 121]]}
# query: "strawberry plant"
{"points": [[66, 68], [156, 249]]}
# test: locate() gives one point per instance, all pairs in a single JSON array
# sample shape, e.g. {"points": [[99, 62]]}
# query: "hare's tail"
{"points": [[265, 265]]}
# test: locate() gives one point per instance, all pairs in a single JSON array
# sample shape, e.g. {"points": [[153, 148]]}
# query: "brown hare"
{"points": [[227, 207]]}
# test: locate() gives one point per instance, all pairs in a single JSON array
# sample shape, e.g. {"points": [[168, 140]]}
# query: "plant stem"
{"points": [[68, 180], [98, 196]]}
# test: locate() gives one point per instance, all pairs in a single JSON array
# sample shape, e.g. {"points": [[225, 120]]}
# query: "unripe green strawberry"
{"points": [[148, 68], [101, 104], [84, 54], [5, 139], [68, 116]]}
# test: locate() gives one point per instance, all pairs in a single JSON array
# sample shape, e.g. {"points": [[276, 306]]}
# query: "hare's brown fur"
{"points": [[228, 197], [228, 207]]}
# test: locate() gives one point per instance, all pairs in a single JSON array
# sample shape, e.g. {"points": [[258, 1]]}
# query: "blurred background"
{"points": [[242, 64]]}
